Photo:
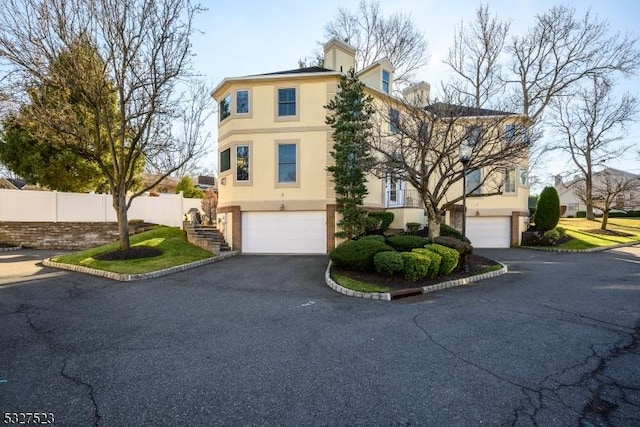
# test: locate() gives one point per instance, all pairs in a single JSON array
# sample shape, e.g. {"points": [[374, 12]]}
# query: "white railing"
{"points": [[53, 206], [403, 199]]}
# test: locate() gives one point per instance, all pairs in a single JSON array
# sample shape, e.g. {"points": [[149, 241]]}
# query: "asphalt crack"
{"points": [[76, 380]]}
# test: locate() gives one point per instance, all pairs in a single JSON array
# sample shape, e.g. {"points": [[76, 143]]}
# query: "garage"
{"points": [[284, 232], [489, 232]]}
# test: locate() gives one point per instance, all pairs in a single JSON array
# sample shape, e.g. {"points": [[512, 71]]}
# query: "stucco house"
{"points": [[275, 195], [571, 203]]}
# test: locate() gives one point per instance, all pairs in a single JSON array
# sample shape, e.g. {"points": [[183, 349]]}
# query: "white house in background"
{"points": [[570, 203]]}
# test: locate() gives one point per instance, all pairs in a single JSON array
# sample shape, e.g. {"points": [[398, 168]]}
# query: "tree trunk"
{"points": [[433, 222], [588, 187], [605, 218], [120, 205]]}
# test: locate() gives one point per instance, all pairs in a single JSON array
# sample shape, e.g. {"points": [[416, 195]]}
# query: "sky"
{"points": [[239, 38]]}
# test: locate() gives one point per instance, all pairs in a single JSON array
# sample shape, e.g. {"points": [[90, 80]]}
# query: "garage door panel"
{"points": [[284, 232], [489, 232]]}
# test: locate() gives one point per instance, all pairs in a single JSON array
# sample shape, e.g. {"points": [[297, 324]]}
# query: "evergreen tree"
{"points": [[189, 189], [547, 210], [350, 117]]}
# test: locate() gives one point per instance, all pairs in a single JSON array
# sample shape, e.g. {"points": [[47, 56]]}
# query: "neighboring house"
{"points": [[205, 182], [6, 184], [571, 203], [275, 195]]}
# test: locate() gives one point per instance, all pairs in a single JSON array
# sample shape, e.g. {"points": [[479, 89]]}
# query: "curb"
{"points": [[388, 296], [600, 249], [131, 277], [11, 249]]}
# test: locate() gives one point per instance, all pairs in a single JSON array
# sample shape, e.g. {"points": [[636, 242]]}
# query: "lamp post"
{"points": [[465, 157]]}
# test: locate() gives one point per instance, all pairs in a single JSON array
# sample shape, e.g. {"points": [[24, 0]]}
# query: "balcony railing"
{"points": [[403, 199]]}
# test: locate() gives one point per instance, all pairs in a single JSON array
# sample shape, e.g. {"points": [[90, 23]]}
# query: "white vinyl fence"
{"points": [[53, 206]]}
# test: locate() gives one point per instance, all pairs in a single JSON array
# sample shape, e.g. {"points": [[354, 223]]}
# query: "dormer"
{"points": [[378, 75], [417, 94], [339, 56]]}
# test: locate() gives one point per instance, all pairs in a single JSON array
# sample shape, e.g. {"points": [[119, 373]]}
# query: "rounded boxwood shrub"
{"points": [[447, 230], [547, 210], [449, 256], [376, 237], [405, 243], [379, 222], [416, 266], [388, 263], [436, 260], [581, 214], [358, 254]]}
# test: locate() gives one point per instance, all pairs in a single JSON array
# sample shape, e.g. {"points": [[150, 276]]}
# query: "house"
{"points": [[275, 195], [569, 192]]}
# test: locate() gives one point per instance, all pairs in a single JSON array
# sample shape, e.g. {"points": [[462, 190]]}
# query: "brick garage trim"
{"points": [[331, 227], [515, 226], [62, 235]]}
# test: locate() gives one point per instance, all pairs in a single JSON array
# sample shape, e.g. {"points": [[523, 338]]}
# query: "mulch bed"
{"points": [[608, 232], [475, 265], [135, 252], [7, 245]]}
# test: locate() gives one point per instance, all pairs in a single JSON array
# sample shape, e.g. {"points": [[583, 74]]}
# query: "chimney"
{"points": [[417, 94], [339, 56]]}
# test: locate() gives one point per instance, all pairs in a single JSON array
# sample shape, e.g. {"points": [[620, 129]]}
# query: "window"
{"points": [[225, 160], [524, 180], [510, 133], [225, 107], [242, 102], [474, 137], [242, 163], [287, 167], [510, 180], [573, 206], [394, 120], [386, 77], [474, 178], [286, 102]]}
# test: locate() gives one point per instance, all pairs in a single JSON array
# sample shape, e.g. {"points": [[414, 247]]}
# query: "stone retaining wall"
{"points": [[62, 235]]}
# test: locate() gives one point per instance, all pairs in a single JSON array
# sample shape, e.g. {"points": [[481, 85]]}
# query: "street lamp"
{"points": [[465, 157]]}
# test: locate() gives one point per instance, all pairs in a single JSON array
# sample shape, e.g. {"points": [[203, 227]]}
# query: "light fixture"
{"points": [[464, 155]]}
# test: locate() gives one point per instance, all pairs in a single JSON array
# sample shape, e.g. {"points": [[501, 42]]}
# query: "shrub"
{"points": [[412, 227], [416, 266], [581, 214], [547, 210], [463, 248], [449, 256], [375, 237], [447, 230], [405, 243], [388, 263], [358, 254], [379, 222], [436, 260], [552, 234]]}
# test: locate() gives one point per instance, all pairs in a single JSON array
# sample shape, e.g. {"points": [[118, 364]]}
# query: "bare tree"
{"points": [[591, 125], [421, 146], [375, 37], [143, 50], [475, 58]]}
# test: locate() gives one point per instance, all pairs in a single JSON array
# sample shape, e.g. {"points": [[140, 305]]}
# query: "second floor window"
{"points": [[394, 121], [510, 180], [474, 137], [286, 102], [510, 133], [242, 102], [225, 107], [242, 163], [287, 163], [474, 179], [225, 160]]}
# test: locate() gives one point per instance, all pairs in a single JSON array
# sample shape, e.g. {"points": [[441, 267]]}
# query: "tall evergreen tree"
{"points": [[350, 117]]}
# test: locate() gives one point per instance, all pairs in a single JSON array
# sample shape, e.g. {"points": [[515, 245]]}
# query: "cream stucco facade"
{"points": [[273, 150]]}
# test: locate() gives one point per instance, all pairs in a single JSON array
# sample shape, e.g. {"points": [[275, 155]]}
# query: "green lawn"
{"points": [[356, 285], [578, 229], [171, 241]]}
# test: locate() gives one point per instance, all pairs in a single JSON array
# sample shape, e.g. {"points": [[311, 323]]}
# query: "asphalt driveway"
{"points": [[260, 340]]}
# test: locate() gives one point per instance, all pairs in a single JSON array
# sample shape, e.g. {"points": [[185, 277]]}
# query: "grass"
{"points": [[578, 229], [171, 241], [489, 269], [356, 285]]}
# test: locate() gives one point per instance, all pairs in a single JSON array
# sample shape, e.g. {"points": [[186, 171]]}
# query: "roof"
{"points": [[298, 71], [463, 111], [5, 183]]}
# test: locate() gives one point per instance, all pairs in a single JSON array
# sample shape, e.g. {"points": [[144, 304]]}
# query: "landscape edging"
{"points": [[131, 277]]}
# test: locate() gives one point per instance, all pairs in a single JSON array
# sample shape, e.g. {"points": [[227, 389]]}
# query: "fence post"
{"points": [[55, 206]]}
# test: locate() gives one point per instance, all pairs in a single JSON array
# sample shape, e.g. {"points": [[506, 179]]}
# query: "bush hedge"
{"points": [[358, 254], [447, 230], [379, 222], [405, 243], [388, 263], [416, 266], [463, 248], [449, 256], [376, 237], [581, 214], [547, 210], [436, 260]]}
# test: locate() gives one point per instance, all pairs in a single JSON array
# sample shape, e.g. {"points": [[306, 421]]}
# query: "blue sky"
{"points": [[251, 37]]}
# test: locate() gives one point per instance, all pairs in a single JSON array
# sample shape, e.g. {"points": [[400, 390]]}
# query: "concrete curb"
{"points": [[11, 249], [600, 249], [131, 277], [388, 296]]}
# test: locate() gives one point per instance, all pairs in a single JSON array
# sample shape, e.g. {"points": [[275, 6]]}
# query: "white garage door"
{"points": [[490, 232], [284, 232]]}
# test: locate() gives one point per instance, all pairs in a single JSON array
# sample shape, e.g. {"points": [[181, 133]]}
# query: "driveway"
{"points": [[260, 340]]}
